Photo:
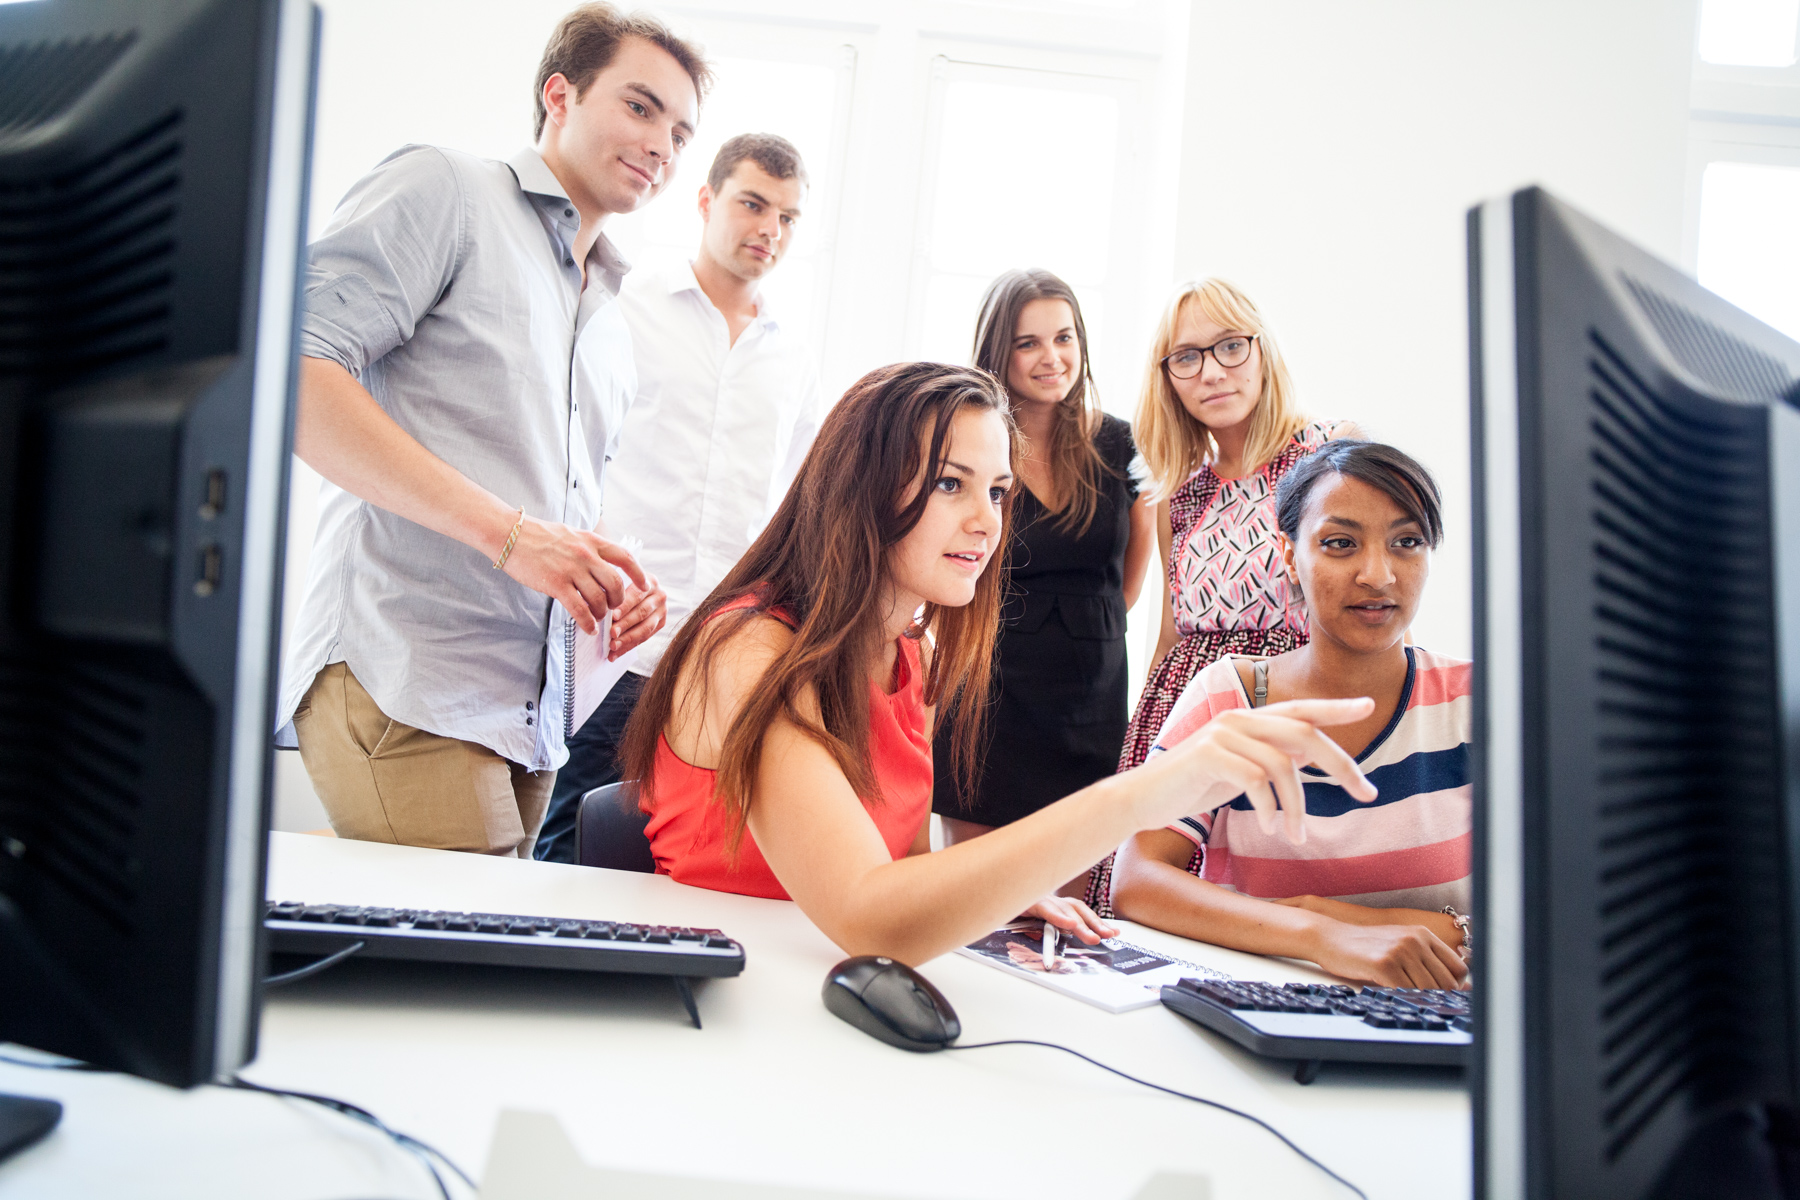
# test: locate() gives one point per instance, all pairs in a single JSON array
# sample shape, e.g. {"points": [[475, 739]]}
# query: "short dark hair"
{"points": [[1394, 473], [587, 40], [772, 153]]}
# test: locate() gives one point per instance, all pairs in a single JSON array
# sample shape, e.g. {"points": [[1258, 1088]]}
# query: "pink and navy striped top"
{"points": [[1410, 848]]}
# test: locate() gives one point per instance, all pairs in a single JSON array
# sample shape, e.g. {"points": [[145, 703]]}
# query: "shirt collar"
{"points": [[536, 179], [534, 174], [679, 277]]}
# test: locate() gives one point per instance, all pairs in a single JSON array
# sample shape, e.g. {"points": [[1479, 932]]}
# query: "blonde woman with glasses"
{"points": [[1218, 428]]}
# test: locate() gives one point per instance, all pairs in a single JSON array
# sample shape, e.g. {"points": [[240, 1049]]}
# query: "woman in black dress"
{"points": [[1075, 565]]}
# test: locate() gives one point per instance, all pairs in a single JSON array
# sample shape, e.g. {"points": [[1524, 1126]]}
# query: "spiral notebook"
{"points": [[589, 676]]}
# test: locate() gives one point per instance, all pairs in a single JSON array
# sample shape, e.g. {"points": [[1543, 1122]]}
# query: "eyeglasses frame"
{"points": [[1204, 351]]}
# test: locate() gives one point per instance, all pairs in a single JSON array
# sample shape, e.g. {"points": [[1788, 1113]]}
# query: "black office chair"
{"points": [[609, 830]]}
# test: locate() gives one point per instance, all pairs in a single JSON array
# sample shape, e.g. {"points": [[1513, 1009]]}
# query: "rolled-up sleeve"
{"points": [[391, 250]]}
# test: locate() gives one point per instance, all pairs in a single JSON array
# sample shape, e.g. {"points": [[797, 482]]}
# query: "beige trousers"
{"points": [[381, 781]]}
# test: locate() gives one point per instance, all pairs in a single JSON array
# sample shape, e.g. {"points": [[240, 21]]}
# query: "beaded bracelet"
{"points": [[1461, 921], [510, 539]]}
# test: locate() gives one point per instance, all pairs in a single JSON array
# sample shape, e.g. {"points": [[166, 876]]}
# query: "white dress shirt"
{"points": [[446, 284], [716, 434]]}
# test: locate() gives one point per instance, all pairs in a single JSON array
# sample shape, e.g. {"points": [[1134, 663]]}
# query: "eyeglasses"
{"points": [[1233, 351]]}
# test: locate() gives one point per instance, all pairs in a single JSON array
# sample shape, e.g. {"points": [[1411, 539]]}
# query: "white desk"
{"points": [[774, 1090]]}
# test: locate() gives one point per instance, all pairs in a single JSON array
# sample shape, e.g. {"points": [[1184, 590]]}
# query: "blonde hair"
{"points": [[1174, 444]]}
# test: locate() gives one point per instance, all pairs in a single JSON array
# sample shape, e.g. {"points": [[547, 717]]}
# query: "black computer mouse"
{"points": [[889, 1000]]}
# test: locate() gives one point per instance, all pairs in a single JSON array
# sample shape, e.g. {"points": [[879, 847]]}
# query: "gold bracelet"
{"points": [[510, 539]]}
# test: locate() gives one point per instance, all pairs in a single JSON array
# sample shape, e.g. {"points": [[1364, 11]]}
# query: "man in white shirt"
{"points": [[466, 374], [727, 405]]}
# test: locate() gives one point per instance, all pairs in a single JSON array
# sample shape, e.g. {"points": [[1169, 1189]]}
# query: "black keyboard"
{"points": [[1324, 1022], [501, 939]]}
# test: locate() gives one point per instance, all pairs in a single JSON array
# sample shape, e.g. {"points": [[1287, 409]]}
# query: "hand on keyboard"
{"points": [[1390, 955]]}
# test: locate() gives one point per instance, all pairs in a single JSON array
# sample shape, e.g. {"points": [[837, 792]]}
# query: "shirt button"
{"points": [[528, 721], [528, 706], [568, 262], [575, 483], [568, 212]]}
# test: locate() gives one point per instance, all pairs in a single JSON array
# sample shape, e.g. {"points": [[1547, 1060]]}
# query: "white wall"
{"points": [[1332, 147]]}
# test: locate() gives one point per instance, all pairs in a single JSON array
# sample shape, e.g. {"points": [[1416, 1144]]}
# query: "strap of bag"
{"points": [[1259, 676]]}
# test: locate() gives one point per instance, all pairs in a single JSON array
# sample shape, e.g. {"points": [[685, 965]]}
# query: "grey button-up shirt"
{"points": [[446, 284]]}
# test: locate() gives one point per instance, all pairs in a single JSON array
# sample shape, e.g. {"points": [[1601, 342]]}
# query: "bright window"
{"points": [[796, 100], [1750, 239], [1022, 171], [1001, 143], [1749, 33]]}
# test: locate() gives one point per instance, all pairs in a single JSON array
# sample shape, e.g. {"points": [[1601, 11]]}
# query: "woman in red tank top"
{"points": [[783, 745]]}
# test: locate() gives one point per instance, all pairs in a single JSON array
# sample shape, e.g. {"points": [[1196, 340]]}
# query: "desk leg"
{"points": [[687, 998], [1307, 1070]]}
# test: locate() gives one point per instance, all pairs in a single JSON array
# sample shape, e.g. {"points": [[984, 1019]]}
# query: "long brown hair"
{"points": [[1075, 464], [823, 562]]}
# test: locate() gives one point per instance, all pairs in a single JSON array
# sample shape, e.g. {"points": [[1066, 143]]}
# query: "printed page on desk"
{"points": [[1115, 974]]}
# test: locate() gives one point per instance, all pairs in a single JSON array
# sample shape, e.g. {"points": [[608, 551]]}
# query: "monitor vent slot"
{"points": [[73, 739], [87, 260], [41, 81], [1715, 357], [1683, 691]]}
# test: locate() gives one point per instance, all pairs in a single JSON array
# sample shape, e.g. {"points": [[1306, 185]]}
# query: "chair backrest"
{"points": [[609, 830]]}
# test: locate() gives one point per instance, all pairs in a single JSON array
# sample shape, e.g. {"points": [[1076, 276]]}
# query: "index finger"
{"points": [[612, 584], [1322, 712], [623, 559], [1336, 762], [1301, 740]]}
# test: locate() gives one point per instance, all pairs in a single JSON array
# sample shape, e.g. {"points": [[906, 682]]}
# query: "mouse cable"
{"points": [[423, 1151], [1236, 1112], [314, 967]]}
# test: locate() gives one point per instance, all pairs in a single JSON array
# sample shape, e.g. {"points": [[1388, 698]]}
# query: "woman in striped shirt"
{"points": [[1369, 891]]}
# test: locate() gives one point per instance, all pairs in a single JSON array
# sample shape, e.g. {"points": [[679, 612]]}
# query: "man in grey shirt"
{"points": [[465, 376]]}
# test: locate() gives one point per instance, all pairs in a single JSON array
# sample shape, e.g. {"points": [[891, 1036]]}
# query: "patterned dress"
{"points": [[1229, 593]]}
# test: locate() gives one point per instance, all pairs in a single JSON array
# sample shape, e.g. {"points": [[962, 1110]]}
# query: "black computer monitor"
{"points": [[153, 163], [1637, 527]]}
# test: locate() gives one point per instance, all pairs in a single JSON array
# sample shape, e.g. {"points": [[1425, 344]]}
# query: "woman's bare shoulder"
{"points": [[738, 652], [735, 655]]}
